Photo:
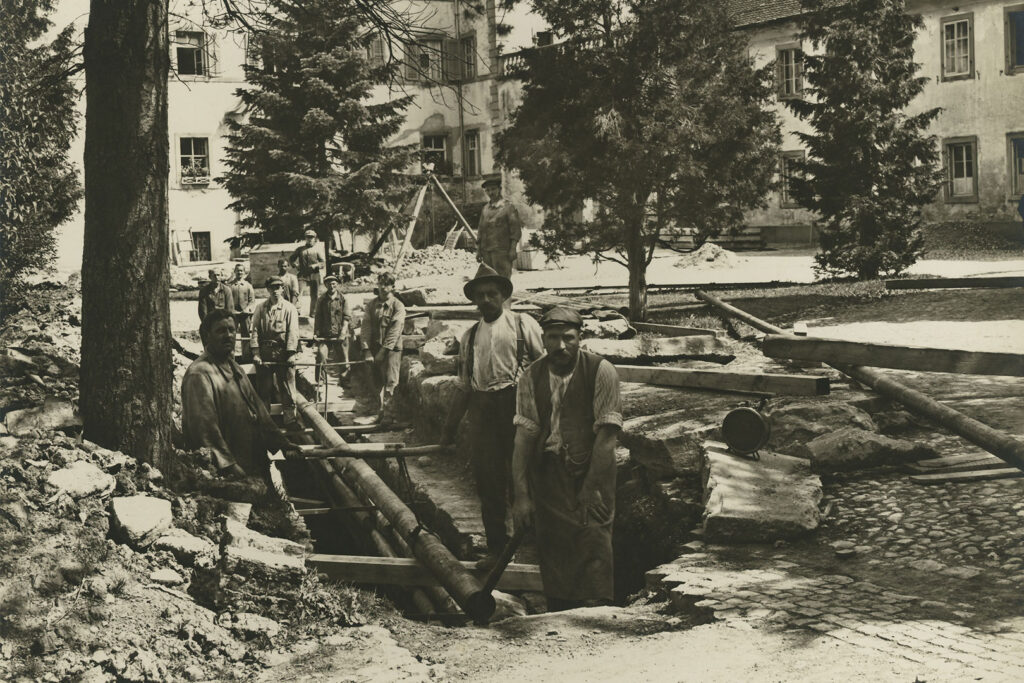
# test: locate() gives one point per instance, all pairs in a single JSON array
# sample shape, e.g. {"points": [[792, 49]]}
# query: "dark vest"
{"points": [[577, 418]]}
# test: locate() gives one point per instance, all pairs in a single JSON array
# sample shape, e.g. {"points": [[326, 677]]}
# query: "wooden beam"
{"points": [[891, 356], [405, 571], [722, 380], [464, 311], [672, 330], [342, 406], [957, 283], [973, 475], [989, 462]]}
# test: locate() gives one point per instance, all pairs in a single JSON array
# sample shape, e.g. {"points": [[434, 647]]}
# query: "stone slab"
{"points": [[641, 349], [140, 520], [851, 448], [796, 422], [53, 414], [81, 479], [751, 501]]}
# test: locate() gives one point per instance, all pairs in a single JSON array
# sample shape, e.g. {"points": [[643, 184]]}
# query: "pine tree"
{"points": [[653, 115], [312, 153], [870, 166], [39, 188]]}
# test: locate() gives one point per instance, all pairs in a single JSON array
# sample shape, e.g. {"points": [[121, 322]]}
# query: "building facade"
{"points": [[972, 54]]}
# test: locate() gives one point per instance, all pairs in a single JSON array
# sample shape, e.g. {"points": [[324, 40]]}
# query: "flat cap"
{"points": [[274, 281], [562, 316], [309, 233], [331, 278], [492, 181]]}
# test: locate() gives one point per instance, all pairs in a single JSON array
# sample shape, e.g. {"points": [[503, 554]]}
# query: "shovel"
{"points": [[484, 596]]}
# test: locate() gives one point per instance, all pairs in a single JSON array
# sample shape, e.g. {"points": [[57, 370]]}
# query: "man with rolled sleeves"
{"points": [[492, 356], [308, 260], [245, 301], [568, 418], [499, 230], [275, 344], [215, 294], [380, 336], [330, 326]]}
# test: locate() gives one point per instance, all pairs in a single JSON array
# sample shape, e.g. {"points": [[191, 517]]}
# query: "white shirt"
{"points": [[494, 351]]}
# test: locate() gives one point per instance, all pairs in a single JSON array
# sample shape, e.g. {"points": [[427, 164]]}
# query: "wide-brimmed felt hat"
{"points": [[274, 281], [559, 315], [487, 274]]}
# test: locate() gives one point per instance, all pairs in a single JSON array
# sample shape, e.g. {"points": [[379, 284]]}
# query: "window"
{"points": [[467, 50], [1016, 154], [958, 47], [435, 151], [423, 61], [191, 53], [195, 161], [472, 140], [961, 158], [789, 71], [787, 169], [375, 52], [1014, 39], [201, 247]]}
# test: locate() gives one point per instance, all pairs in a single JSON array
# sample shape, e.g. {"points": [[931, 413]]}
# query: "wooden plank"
{"points": [[464, 312], [406, 571], [1002, 282], [973, 475], [672, 330], [992, 463], [342, 406], [951, 460], [840, 352], [722, 380]]}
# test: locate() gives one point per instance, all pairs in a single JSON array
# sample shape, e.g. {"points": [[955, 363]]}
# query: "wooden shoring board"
{"points": [[951, 460], [992, 463], [342, 406], [405, 571], [722, 380], [972, 475], [1002, 282], [892, 356], [672, 330]]}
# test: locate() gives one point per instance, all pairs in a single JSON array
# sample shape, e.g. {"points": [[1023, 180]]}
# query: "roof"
{"points": [[753, 12]]}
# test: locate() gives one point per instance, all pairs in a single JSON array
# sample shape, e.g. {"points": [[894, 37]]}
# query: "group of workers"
{"points": [[539, 417]]}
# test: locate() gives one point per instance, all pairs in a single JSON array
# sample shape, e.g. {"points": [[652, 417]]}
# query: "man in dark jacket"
{"points": [[215, 294], [331, 325], [309, 261]]}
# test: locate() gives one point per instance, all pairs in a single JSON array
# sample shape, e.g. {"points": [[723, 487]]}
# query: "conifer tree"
{"points": [[312, 153], [870, 167]]}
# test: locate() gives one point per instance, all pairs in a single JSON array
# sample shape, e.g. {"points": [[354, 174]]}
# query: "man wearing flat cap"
{"points": [[215, 294], [308, 260], [492, 356], [275, 345], [568, 418], [499, 230], [330, 326]]}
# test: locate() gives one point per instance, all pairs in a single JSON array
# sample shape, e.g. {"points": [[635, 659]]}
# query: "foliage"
{"points": [[870, 167], [312, 153], [650, 113], [39, 188]]}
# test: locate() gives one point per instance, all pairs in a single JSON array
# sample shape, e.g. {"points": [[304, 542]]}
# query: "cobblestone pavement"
{"points": [[921, 573]]}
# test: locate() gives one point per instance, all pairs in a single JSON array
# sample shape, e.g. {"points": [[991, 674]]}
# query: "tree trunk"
{"points": [[126, 371], [636, 257]]}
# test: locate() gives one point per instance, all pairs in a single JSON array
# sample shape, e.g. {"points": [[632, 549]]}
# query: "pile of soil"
{"points": [[710, 255], [430, 261]]}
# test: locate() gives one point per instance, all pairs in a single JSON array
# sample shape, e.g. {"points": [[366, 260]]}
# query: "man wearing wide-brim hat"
{"points": [[499, 230], [308, 261], [568, 417], [492, 356]]}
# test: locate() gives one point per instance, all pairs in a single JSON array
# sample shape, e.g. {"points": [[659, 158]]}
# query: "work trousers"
{"points": [[333, 351], [242, 321], [489, 436], [314, 294], [498, 259], [283, 376], [385, 376]]}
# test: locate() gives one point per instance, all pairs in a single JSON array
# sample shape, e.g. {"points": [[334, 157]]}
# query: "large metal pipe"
{"points": [[426, 547], [1001, 445]]}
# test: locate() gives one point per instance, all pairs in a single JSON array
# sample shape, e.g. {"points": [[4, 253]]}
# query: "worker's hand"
{"points": [[256, 360], [380, 357], [479, 257], [293, 359], [593, 507], [368, 355], [522, 513], [292, 452]]}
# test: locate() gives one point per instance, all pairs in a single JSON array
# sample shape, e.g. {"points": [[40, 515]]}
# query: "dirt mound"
{"points": [[432, 260], [710, 255]]}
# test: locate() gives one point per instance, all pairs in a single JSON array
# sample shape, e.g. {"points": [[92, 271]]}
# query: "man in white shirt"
{"points": [[492, 355]]}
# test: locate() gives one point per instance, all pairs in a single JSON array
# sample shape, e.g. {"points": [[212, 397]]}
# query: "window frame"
{"points": [[1016, 188], [946, 21], [208, 251], [785, 196], [947, 144], [415, 72], [798, 67], [376, 54], [447, 149], [1011, 41], [467, 62], [472, 153], [208, 178], [203, 50]]}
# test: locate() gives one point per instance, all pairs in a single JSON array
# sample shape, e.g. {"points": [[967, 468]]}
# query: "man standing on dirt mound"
{"points": [[499, 230], [492, 356], [568, 418], [309, 263]]}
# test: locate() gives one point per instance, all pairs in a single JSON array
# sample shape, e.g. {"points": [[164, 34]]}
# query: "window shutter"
{"points": [[412, 63], [452, 63], [798, 68], [210, 55]]}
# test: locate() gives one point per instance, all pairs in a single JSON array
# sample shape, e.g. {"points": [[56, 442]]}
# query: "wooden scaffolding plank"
{"points": [[748, 382], [950, 460], [973, 475], [957, 283], [990, 463], [405, 571], [892, 356], [672, 330]]}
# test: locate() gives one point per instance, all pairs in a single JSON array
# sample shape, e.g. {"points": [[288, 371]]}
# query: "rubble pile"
{"points": [[434, 260], [710, 255]]}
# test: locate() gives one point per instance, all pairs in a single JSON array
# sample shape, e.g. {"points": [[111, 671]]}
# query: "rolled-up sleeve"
{"points": [[526, 407], [607, 403]]}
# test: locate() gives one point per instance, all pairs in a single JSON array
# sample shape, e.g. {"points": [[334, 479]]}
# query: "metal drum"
{"points": [[745, 430]]}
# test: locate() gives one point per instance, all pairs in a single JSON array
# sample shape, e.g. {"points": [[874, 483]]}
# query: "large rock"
{"points": [[257, 573], [448, 329], [436, 356], [81, 479], [139, 520], [795, 424], [751, 501], [54, 414], [650, 349], [612, 328], [189, 550], [667, 444], [260, 555], [852, 448]]}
